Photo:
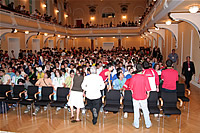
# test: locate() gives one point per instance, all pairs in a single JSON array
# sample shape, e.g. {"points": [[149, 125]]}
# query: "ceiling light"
{"points": [[127, 37], [58, 35], [26, 32], [45, 34], [68, 36], [66, 16], [156, 28], [168, 22], [101, 37], [113, 37], [193, 9]]}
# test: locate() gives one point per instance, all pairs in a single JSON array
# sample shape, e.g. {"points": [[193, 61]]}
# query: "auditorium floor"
{"points": [[190, 122]]}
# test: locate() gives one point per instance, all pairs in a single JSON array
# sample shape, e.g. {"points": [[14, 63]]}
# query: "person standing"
{"points": [[93, 92], [152, 76], [76, 95], [169, 77], [174, 57], [140, 87], [188, 70]]}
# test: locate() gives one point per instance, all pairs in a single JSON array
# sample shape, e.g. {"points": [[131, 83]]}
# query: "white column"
{"points": [[182, 49], [191, 43]]}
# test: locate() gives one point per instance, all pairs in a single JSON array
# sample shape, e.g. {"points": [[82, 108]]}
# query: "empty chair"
{"points": [[31, 91], [3, 90], [62, 98], [17, 91], [127, 102], [153, 103], [180, 89], [169, 105], [113, 101], [46, 93]]}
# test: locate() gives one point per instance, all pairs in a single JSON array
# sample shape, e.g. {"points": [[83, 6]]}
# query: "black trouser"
{"points": [[188, 78], [96, 103]]}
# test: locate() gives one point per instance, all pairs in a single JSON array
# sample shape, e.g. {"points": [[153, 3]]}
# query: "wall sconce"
{"points": [[44, 5], [26, 32], [124, 17], [92, 18], [57, 11]]}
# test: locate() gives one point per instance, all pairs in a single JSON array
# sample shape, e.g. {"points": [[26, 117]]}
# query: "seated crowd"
{"points": [[69, 68]]}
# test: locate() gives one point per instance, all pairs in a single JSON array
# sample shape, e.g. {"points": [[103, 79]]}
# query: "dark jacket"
{"points": [[185, 68]]}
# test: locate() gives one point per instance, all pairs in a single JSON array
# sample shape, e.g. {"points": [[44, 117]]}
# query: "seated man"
{"points": [[119, 82]]}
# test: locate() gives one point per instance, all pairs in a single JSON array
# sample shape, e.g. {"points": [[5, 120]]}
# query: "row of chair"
{"points": [[113, 99], [168, 102]]}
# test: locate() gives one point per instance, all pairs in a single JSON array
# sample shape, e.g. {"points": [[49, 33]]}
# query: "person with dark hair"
{"points": [[105, 74], [76, 95], [169, 77], [188, 71], [152, 76], [58, 81], [32, 75], [4, 78], [174, 58], [118, 70], [16, 78], [140, 87], [119, 82], [46, 81]]}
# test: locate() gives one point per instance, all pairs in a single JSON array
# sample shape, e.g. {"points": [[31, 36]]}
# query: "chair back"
{"points": [[180, 89], [17, 89], [46, 91], [3, 90], [113, 97], [153, 98], [169, 99], [62, 94], [31, 91], [128, 100]]}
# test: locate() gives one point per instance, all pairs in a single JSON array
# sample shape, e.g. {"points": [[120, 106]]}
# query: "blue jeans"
{"points": [[137, 104]]}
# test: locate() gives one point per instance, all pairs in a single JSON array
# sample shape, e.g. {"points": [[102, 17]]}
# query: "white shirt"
{"points": [[6, 78], [99, 70], [92, 84], [58, 82], [15, 79]]}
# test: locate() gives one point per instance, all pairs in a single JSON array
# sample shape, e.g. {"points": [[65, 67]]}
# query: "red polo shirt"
{"points": [[139, 84], [126, 85], [169, 76], [102, 74]]}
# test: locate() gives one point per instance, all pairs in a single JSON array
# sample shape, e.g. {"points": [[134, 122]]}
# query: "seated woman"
{"points": [[46, 81]]}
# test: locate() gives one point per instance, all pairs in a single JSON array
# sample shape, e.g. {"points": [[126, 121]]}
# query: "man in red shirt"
{"points": [[169, 77], [140, 87]]}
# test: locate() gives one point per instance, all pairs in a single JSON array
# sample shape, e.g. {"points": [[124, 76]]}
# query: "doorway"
{"points": [[13, 44], [36, 45], [51, 44]]}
